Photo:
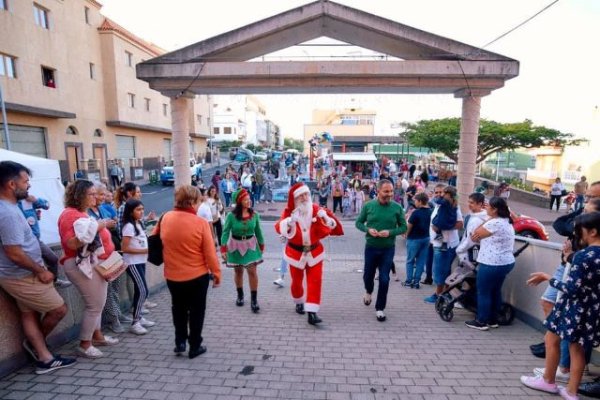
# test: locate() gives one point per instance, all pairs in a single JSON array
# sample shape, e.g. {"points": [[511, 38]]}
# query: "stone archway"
{"points": [[424, 63]]}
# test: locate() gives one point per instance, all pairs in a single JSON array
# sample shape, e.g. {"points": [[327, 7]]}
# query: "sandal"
{"points": [[367, 299]]}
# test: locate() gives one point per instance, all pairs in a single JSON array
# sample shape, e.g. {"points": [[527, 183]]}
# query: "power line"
{"points": [[521, 24]]}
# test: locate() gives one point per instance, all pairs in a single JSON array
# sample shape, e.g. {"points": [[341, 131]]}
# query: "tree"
{"points": [[289, 143], [443, 135]]}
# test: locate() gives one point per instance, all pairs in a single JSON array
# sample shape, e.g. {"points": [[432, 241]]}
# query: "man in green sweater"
{"points": [[382, 220]]}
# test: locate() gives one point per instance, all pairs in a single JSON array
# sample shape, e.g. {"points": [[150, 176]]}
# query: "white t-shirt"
{"points": [[205, 212], [453, 238], [498, 248], [137, 242]]}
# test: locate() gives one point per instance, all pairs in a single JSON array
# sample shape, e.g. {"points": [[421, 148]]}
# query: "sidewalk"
{"points": [[276, 354]]}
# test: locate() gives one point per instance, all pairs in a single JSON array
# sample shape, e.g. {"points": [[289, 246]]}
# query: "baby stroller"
{"points": [[461, 287]]}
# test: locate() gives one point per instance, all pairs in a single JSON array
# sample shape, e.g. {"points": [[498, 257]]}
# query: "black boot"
{"points": [[195, 352], [254, 302], [240, 297], [300, 308], [313, 318], [179, 347]]}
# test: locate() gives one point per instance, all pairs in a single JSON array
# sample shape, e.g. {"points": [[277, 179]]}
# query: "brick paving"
{"points": [[276, 354]]}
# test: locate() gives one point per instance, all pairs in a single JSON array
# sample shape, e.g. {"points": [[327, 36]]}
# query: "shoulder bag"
{"points": [[155, 246]]}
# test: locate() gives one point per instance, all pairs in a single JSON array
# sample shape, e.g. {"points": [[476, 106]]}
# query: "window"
{"points": [[131, 100], [128, 59], [165, 109], [86, 15], [98, 133], [3, 4], [41, 16], [227, 130], [199, 118], [92, 71], [7, 66], [48, 77], [71, 130], [147, 103], [216, 130]]}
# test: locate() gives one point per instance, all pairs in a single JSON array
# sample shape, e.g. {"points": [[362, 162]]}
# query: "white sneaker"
{"points": [[145, 311], [90, 352], [279, 282], [62, 283], [150, 304], [138, 329], [146, 324], [560, 376], [380, 315]]}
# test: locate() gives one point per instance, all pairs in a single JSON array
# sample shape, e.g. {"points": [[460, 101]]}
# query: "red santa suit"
{"points": [[304, 251]]}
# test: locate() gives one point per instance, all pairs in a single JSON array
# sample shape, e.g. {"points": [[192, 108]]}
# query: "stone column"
{"points": [[180, 143], [467, 148]]}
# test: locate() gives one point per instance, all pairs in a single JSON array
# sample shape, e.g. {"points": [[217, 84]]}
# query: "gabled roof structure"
{"points": [[428, 63]]}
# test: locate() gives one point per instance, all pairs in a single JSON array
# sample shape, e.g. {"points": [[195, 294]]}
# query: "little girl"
{"points": [[359, 199], [134, 246], [575, 316], [346, 204]]}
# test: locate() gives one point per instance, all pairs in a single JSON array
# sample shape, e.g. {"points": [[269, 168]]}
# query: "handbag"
{"points": [[155, 247], [564, 192], [111, 268]]}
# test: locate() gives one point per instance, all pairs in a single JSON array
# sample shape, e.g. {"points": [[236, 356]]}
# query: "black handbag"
{"points": [[155, 247]]}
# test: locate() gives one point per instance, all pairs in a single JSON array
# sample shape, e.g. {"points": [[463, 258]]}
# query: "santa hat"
{"points": [[240, 195], [295, 191]]}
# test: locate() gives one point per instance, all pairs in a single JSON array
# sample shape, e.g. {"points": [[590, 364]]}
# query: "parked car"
{"points": [[167, 174], [529, 227], [233, 152], [244, 155], [260, 156]]}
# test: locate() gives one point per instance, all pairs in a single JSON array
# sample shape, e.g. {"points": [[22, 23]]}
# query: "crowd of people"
{"points": [[95, 225]]}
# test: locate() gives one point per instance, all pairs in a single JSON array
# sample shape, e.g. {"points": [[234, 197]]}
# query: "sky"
{"points": [[558, 85]]}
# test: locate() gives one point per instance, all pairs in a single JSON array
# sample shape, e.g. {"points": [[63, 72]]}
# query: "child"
{"points": [[253, 190], [575, 316], [280, 282], [346, 203], [134, 246], [359, 199], [445, 219], [417, 240]]}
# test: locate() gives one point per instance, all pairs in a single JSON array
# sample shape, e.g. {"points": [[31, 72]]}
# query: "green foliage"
{"points": [[443, 135], [289, 143], [226, 145]]}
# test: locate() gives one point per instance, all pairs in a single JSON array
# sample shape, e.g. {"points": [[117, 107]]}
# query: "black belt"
{"points": [[304, 249], [242, 237]]}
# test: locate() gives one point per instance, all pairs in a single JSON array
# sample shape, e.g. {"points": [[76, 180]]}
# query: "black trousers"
{"points": [[429, 264], [337, 201], [188, 304], [218, 226], [555, 198]]}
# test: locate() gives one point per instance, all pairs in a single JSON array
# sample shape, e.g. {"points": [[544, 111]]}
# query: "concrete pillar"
{"points": [[180, 120], [467, 148]]}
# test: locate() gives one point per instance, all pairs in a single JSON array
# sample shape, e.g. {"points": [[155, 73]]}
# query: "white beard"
{"points": [[304, 214]]}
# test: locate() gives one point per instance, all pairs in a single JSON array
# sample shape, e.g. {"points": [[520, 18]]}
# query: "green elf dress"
{"points": [[243, 241]]}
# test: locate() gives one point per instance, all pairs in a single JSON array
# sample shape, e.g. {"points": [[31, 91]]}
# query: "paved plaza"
{"points": [[276, 354]]}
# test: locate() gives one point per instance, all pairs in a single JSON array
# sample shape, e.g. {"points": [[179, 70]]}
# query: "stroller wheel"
{"points": [[447, 314], [440, 303], [507, 314]]}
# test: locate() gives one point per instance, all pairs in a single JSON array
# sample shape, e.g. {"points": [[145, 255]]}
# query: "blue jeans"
{"points": [[378, 258], [258, 193], [442, 264], [429, 263], [489, 290], [565, 358], [579, 201], [416, 255], [227, 198]]}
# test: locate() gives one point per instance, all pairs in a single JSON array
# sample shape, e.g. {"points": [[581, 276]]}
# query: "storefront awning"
{"points": [[354, 157]]}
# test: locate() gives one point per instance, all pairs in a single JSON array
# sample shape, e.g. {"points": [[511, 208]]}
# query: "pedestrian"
{"points": [[324, 190], [259, 177], [115, 174], [445, 219], [575, 316], [477, 216], [135, 254], [557, 190], [346, 206], [304, 225], [442, 259], [82, 237], [242, 246], [338, 193], [359, 199], [189, 261], [382, 220], [22, 274], [216, 179], [228, 186], [580, 188], [283, 265], [216, 209], [417, 240]]}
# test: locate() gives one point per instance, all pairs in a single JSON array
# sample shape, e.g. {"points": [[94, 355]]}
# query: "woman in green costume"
{"points": [[243, 245]]}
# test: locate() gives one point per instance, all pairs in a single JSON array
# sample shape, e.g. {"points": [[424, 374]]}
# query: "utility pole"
{"points": [[4, 121]]}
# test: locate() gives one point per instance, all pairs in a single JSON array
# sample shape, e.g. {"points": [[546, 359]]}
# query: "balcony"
{"points": [[541, 176]]}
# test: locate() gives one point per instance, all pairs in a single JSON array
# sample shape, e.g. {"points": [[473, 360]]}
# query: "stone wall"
{"points": [[519, 195]]}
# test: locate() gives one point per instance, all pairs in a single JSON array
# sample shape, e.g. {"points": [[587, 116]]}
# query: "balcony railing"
{"points": [[539, 174]]}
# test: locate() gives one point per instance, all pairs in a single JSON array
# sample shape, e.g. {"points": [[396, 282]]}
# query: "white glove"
{"points": [[295, 217], [322, 213]]}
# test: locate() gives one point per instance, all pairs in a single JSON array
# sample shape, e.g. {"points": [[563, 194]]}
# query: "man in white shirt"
{"points": [[443, 258], [205, 212]]}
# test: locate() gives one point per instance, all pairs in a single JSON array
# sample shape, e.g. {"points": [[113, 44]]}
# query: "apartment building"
{"points": [[71, 93]]}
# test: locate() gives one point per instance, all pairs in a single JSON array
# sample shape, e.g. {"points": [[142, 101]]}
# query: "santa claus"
{"points": [[304, 224]]}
